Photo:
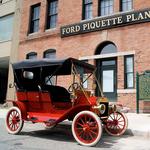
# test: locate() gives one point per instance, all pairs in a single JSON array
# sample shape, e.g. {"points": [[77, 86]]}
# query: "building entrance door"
{"points": [[107, 72]]}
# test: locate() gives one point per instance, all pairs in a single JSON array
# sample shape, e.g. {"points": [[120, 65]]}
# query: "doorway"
{"points": [[107, 71], [4, 64]]}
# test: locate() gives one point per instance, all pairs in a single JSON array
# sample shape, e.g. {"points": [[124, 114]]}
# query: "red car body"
{"points": [[39, 102]]}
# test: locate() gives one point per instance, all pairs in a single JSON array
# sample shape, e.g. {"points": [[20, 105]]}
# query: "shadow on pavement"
{"points": [[64, 133]]}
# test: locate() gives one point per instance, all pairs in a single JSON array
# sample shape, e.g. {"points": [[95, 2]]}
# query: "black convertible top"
{"points": [[45, 68], [32, 63]]}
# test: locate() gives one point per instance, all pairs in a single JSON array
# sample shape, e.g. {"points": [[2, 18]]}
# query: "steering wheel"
{"points": [[73, 86]]}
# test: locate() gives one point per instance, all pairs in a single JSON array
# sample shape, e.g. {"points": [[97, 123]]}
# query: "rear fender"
{"points": [[22, 108]]}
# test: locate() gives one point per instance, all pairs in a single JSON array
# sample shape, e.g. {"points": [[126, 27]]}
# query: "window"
{"points": [[129, 71], [6, 27], [106, 7], [52, 13], [32, 55], [87, 9], [28, 75], [51, 54], [35, 18], [108, 48], [126, 5]]}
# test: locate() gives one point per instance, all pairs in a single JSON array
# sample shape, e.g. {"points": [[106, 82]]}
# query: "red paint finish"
{"points": [[86, 128]]}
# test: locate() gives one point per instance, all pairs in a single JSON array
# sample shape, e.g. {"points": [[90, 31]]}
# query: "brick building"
{"points": [[9, 20], [111, 34]]}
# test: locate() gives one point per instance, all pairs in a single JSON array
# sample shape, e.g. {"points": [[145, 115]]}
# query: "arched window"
{"points": [[50, 53], [109, 48], [106, 48], [31, 55]]}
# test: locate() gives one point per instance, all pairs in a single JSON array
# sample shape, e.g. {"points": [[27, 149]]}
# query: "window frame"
{"points": [[84, 9], [31, 28], [48, 51], [31, 54], [121, 5], [99, 8], [9, 38], [48, 15], [126, 73]]}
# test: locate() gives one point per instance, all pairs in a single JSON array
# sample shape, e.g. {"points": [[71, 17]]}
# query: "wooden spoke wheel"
{"points": [[14, 122], [116, 124], [87, 128]]}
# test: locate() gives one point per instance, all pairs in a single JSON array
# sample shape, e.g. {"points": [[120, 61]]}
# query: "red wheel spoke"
{"points": [[93, 132], [93, 128], [117, 116], [89, 119], [114, 114], [111, 117], [10, 123], [82, 121], [80, 132], [90, 135], [120, 118], [121, 121], [121, 124], [85, 118]]}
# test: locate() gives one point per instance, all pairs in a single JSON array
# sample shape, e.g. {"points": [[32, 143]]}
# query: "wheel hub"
{"points": [[86, 128], [15, 120], [115, 122]]}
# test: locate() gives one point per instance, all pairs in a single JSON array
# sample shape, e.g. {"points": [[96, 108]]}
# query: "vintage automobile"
{"points": [[41, 99]]}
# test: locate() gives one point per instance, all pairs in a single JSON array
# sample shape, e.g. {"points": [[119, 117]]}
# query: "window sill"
{"points": [[123, 91], [50, 30], [32, 34]]}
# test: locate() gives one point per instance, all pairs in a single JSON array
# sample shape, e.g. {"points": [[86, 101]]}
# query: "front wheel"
{"points": [[116, 124], [14, 122], [87, 128]]}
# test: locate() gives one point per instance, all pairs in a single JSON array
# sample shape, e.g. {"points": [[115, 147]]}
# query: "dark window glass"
{"points": [[87, 9], [51, 54], [106, 7], [109, 48], [52, 13], [129, 71], [35, 18], [32, 55], [6, 27], [126, 5]]}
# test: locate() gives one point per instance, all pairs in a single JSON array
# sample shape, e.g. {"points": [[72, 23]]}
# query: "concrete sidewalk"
{"points": [[138, 124]]}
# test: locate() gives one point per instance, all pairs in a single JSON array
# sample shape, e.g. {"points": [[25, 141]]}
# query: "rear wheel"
{"points": [[87, 128], [116, 124], [14, 122]]}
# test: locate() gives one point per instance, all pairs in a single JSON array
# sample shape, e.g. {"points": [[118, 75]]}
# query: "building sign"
{"points": [[102, 23]]}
